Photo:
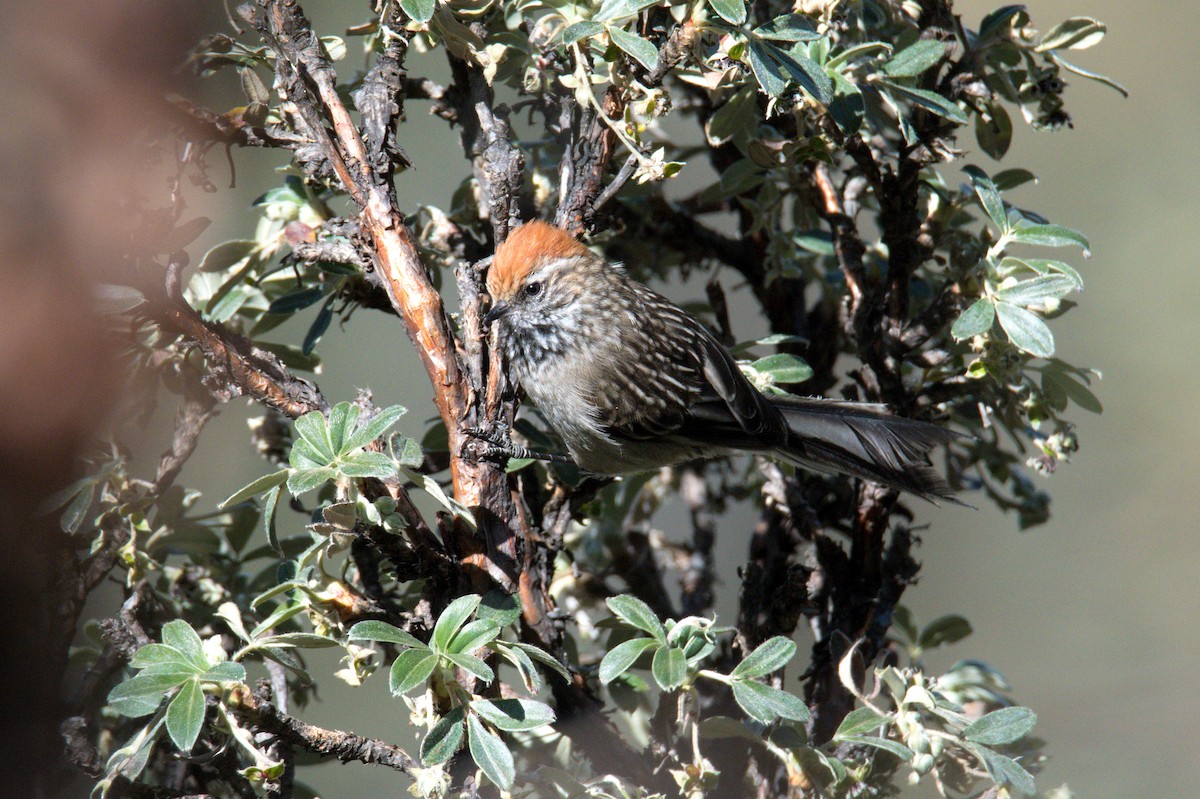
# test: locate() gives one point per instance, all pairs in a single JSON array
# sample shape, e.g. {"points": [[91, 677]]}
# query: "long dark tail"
{"points": [[864, 440]]}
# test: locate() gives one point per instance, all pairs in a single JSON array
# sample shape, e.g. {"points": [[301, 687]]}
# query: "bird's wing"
{"points": [[688, 387], [651, 378]]}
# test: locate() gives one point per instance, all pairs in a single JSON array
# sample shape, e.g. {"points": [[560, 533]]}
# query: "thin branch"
{"points": [[616, 184], [195, 412], [673, 50], [846, 242], [398, 263], [241, 367], [345, 746]]}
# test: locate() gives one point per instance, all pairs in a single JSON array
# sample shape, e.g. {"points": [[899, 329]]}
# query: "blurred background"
{"points": [[1091, 617]]}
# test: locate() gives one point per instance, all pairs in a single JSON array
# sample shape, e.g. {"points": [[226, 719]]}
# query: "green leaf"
{"points": [[1009, 179], [788, 28], [1037, 291], [805, 72], [1050, 236], [319, 326], [451, 621], [944, 630], [1044, 266], [301, 480], [335, 47], [521, 662], [976, 320], [410, 455], [419, 10], [857, 51], [264, 483], [1056, 381], [368, 464], [185, 716], [994, 131], [179, 635], [765, 703], [766, 70], [474, 635], [314, 429], [644, 51], [490, 753], [620, 9], [411, 668], [727, 727], [227, 254], [159, 655], [1003, 726], [77, 509], [895, 747], [732, 11], [501, 608], [151, 683], [669, 667], [300, 640], [543, 657], [342, 419], [137, 705], [989, 197], [183, 235], [375, 427], [1025, 330], [384, 632], [1096, 76], [297, 300], [734, 118], [847, 107], [857, 722], [473, 665], [227, 671], [999, 20], [637, 613], [581, 30], [915, 59], [1004, 770], [514, 714], [1077, 33], [771, 655], [269, 505], [112, 300], [442, 741], [934, 103], [784, 367]]}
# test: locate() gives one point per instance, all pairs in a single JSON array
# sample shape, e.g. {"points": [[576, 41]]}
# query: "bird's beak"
{"points": [[498, 310]]}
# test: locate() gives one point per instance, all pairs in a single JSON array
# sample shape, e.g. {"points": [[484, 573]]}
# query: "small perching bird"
{"points": [[630, 382]]}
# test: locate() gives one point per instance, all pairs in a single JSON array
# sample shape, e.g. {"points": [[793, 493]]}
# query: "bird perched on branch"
{"points": [[630, 382]]}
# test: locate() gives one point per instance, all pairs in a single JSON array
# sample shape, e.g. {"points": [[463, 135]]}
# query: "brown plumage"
{"points": [[631, 382]]}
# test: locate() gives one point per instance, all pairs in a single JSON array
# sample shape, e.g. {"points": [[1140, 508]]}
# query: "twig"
{"points": [[697, 594], [398, 263], [673, 50], [243, 367], [345, 746], [197, 409], [616, 184], [846, 242]]}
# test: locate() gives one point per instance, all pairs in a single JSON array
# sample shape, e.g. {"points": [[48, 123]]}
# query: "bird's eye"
{"points": [[533, 289]]}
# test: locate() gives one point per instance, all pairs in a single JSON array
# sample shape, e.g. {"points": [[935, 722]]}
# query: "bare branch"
{"points": [[345, 746], [242, 367]]}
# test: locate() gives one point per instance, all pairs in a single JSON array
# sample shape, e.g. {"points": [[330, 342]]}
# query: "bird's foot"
{"points": [[499, 447]]}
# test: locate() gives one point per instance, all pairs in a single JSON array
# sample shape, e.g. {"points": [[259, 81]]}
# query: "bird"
{"points": [[631, 382]]}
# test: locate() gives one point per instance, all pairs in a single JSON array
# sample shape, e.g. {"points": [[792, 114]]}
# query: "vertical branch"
{"points": [[364, 168]]}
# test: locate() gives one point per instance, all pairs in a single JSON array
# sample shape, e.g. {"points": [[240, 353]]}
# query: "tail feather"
{"points": [[865, 441]]}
